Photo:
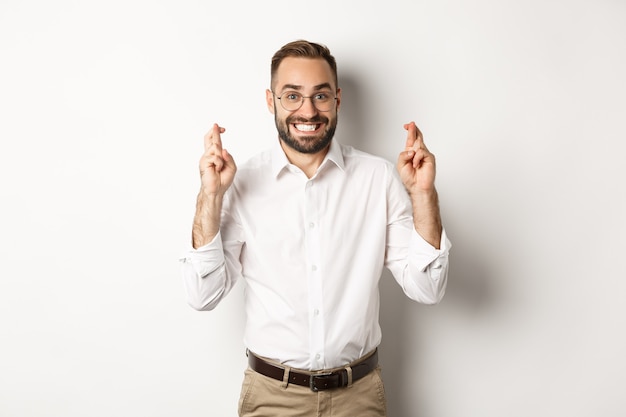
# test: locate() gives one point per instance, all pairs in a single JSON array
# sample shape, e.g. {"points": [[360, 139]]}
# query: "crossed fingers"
{"points": [[415, 146], [213, 148]]}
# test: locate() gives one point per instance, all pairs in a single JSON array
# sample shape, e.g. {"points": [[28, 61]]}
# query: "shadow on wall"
{"points": [[404, 323], [470, 288], [352, 125]]}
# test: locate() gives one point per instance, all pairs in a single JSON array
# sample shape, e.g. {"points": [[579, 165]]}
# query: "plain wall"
{"points": [[103, 106]]}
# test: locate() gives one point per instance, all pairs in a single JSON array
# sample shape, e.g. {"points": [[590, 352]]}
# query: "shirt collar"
{"points": [[280, 161]]}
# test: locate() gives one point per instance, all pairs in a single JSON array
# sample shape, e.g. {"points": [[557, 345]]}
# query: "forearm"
{"points": [[426, 216], [212, 267], [206, 222]]}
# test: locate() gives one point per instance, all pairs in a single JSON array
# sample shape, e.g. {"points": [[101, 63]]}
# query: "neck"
{"points": [[307, 162]]}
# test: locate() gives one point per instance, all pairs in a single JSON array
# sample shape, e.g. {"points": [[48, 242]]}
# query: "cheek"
{"points": [[284, 118]]}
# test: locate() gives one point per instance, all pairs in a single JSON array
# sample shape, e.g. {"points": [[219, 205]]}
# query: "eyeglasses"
{"points": [[292, 100]]}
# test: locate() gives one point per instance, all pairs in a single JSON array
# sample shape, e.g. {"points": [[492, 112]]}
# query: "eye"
{"points": [[322, 97], [292, 96]]}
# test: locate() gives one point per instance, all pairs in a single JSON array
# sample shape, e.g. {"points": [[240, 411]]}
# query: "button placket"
{"points": [[315, 286]]}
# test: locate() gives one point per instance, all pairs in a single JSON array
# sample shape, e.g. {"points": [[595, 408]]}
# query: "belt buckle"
{"points": [[312, 385]]}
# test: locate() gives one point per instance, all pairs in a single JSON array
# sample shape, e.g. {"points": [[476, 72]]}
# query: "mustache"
{"points": [[299, 119]]}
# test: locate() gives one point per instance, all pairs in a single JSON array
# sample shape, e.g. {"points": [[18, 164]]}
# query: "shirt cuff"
{"points": [[426, 255], [205, 258]]}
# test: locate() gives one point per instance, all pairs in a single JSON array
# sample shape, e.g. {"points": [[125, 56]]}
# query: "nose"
{"points": [[308, 107]]}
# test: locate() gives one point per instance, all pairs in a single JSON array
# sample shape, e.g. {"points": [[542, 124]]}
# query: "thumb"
{"points": [[405, 158], [406, 155], [228, 158]]}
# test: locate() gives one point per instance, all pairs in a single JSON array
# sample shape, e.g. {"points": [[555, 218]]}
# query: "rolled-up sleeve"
{"points": [[427, 269], [204, 275], [425, 256], [419, 268]]}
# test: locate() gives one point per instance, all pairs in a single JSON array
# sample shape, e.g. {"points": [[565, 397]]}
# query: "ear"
{"points": [[269, 99], [338, 98]]}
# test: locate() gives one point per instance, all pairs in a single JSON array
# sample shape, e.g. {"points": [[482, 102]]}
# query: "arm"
{"points": [[204, 267], [416, 166], [217, 171], [424, 278]]}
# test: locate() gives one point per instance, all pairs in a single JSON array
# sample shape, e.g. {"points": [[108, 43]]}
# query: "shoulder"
{"points": [[255, 164], [355, 159], [252, 174], [366, 168]]}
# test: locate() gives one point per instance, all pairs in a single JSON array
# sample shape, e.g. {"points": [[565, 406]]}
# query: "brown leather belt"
{"points": [[317, 381]]}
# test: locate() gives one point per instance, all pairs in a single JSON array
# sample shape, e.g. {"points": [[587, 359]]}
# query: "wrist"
{"points": [[421, 196]]}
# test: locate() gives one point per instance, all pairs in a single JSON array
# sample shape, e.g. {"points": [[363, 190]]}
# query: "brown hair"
{"points": [[303, 49]]}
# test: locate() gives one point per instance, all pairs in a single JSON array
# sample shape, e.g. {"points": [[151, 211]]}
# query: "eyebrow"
{"points": [[299, 87]]}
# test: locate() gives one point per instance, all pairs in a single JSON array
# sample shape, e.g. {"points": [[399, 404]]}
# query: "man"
{"points": [[309, 225]]}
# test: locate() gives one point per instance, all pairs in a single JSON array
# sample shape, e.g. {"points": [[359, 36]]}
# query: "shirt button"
{"points": [[316, 312], [318, 356], [311, 225], [314, 268]]}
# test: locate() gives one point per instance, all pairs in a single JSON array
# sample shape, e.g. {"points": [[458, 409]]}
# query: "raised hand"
{"points": [[416, 164], [217, 167], [217, 172]]}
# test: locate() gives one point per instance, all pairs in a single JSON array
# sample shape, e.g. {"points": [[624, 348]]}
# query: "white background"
{"points": [[103, 106]]}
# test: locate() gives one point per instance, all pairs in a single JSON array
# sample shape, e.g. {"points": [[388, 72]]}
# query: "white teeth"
{"points": [[306, 128]]}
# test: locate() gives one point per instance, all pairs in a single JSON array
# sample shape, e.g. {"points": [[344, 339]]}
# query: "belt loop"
{"points": [[349, 371], [285, 383]]}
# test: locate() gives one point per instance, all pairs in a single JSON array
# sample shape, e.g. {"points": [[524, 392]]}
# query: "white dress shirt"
{"points": [[311, 252]]}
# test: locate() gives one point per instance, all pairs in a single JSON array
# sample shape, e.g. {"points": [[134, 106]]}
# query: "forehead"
{"points": [[303, 72]]}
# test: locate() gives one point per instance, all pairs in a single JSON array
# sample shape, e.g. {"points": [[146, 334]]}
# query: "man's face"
{"points": [[307, 129]]}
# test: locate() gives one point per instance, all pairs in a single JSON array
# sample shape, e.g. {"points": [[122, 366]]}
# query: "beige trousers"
{"points": [[266, 397]]}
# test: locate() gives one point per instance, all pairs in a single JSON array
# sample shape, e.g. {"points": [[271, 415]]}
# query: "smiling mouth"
{"points": [[301, 127]]}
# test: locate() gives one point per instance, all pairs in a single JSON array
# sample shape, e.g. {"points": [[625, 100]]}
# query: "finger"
{"points": [[411, 134], [213, 136], [419, 141], [210, 161], [423, 156], [217, 161], [406, 157], [418, 158], [228, 159], [415, 139], [217, 137]]}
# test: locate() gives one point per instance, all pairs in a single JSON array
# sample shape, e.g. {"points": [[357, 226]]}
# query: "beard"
{"points": [[307, 144]]}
